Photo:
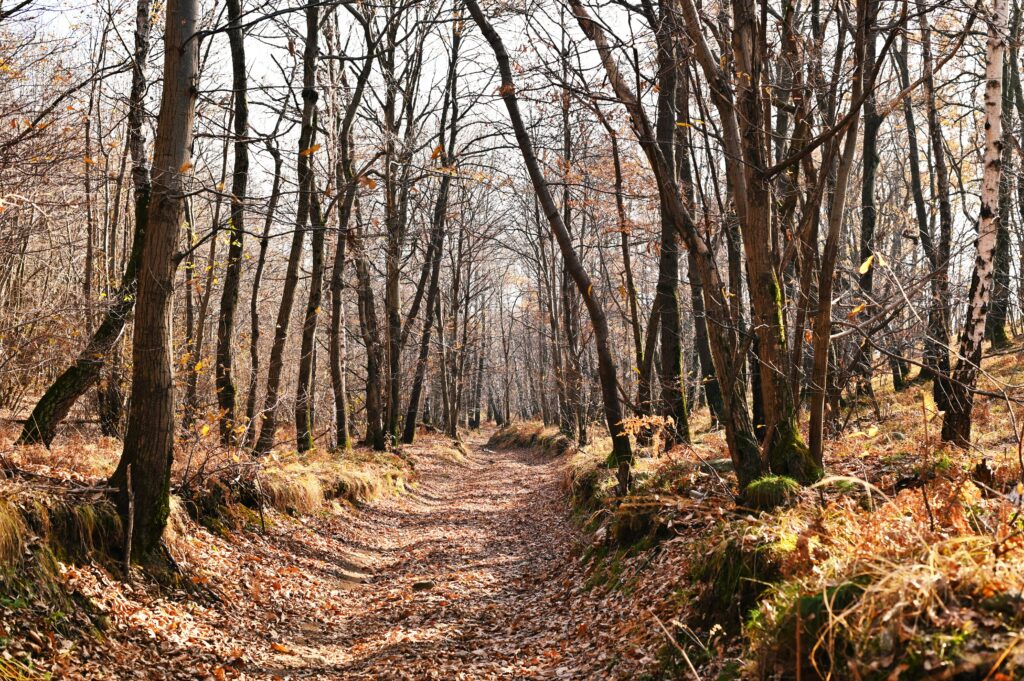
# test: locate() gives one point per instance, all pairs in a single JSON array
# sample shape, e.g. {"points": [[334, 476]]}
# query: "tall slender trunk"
{"points": [[822, 323], [671, 374], [474, 410], [370, 328], [224, 372], [149, 438], [435, 248], [195, 337], [956, 425], [306, 389], [708, 379], [872, 125], [254, 306], [347, 183], [309, 99]]}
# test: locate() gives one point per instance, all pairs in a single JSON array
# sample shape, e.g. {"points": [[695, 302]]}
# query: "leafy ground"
{"points": [[471, 573], [512, 559]]}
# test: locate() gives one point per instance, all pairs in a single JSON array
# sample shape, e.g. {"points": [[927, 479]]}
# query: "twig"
{"points": [[1002, 658], [928, 508], [675, 644], [130, 527]]}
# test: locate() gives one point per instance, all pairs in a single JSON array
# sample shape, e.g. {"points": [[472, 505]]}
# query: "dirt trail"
{"points": [[469, 576]]}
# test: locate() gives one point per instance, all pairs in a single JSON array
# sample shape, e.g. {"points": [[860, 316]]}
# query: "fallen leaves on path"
{"points": [[474, 574]]}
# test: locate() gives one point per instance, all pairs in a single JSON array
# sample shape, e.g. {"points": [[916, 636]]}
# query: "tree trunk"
{"points": [[934, 342], [370, 328], [872, 125], [149, 438], [956, 425], [306, 389], [672, 376], [224, 372]]}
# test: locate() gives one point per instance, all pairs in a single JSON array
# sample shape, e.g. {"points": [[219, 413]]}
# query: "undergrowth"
{"points": [[906, 563]]}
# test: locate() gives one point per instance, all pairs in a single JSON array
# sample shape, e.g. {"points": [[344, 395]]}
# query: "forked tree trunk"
{"points": [[345, 179], [956, 425], [75, 381], [435, 248], [149, 438], [822, 322]]}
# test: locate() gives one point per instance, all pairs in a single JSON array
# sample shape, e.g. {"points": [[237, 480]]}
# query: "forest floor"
{"points": [[512, 558], [472, 573]]}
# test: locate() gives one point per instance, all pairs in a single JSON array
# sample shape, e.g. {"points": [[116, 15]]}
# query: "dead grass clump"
{"points": [[546, 440], [301, 484], [292, 491], [292, 483]]}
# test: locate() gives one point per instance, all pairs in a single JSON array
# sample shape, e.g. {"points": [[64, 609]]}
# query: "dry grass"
{"points": [[301, 484], [546, 440]]}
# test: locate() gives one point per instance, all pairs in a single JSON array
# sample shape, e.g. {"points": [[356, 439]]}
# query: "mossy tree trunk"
{"points": [[75, 381]]}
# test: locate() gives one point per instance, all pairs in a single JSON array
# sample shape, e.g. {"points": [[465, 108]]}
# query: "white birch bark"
{"points": [[956, 425]]}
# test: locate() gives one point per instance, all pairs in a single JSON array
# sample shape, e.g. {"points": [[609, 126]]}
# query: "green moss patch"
{"points": [[770, 492]]}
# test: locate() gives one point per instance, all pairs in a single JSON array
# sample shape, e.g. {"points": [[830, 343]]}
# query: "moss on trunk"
{"points": [[789, 455]]}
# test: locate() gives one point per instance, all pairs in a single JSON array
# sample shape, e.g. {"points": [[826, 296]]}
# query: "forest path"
{"points": [[471, 577]]}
